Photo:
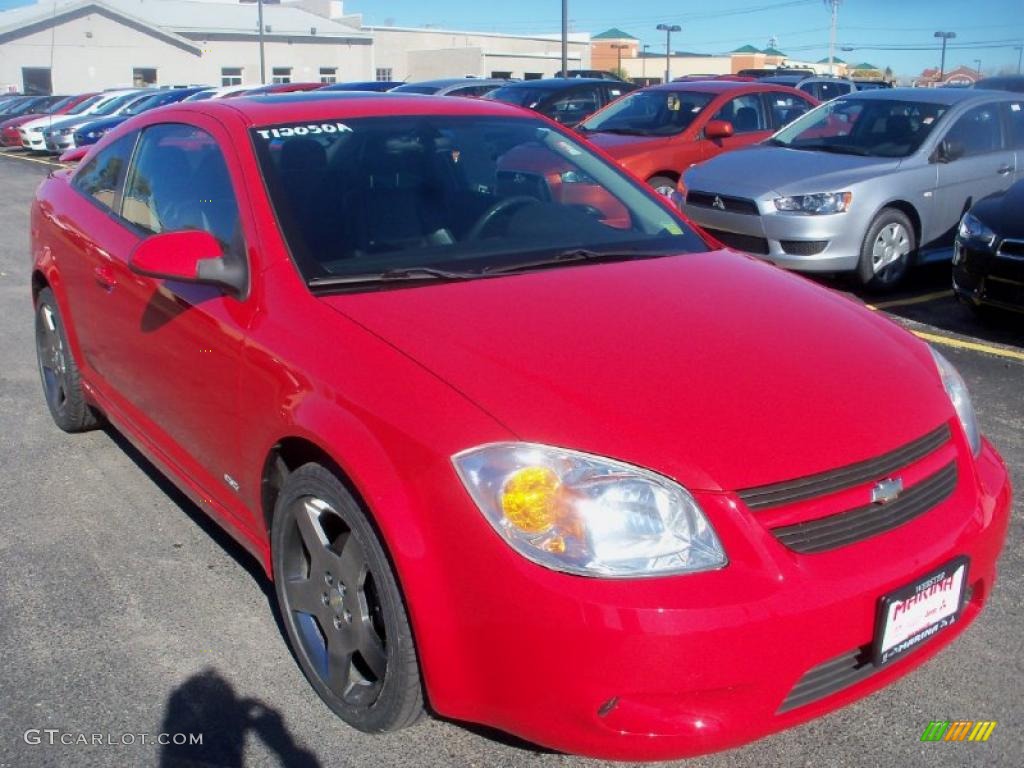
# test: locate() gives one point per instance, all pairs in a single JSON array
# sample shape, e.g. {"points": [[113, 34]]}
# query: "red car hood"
{"points": [[620, 145], [713, 368]]}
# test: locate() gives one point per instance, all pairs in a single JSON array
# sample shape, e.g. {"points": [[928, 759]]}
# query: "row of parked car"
{"points": [[870, 184]]}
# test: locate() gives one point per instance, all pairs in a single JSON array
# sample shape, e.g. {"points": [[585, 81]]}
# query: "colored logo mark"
{"points": [[958, 730]]}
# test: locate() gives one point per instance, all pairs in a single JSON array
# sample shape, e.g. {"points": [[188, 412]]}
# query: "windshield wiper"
{"points": [[392, 276], [574, 255]]}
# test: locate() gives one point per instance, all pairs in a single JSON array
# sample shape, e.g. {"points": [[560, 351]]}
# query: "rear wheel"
{"points": [[62, 383], [663, 185], [886, 251], [341, 605]]}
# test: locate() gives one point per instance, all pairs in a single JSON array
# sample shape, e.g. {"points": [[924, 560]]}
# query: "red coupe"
{"points": [[659, 132], [509, 440]]}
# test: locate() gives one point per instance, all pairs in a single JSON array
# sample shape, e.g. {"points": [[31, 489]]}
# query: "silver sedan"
{"points": [[869, 183]]}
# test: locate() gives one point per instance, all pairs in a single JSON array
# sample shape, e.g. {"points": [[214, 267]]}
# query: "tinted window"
{"points": [[472, 91], [453, 192], [784, 108], [746, 113], [102, 176], [179, 180], [828, 91], [977, 130], [650, 113], [860, 126], [522, 97], [1016, 112], [573, 106]]}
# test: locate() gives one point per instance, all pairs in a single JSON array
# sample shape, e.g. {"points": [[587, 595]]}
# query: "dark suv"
{"points": [[565, 100]]}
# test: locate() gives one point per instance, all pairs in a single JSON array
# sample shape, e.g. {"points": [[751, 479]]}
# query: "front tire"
{"points": [[341, 605], [886, 251], [58, 371]]}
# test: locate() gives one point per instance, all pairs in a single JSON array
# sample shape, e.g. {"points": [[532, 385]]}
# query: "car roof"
{"points": [[562, 82], [337, 105], [945, 96], [719, 86], [447, 81]]}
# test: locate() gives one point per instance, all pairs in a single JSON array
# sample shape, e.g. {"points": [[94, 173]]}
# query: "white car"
{"points": [[31, 132], [58, 135], [220, 93]]}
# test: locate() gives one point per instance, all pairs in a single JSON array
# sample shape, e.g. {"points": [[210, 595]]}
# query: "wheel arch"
{"points": [[910, 210]]}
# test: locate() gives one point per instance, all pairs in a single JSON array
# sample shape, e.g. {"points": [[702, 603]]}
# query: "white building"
{"points": [[407, 53], [70, 46]]}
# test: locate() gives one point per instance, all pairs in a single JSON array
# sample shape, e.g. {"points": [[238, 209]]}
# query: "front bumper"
{"points": [[59, 143], [829, 243], [994, 277], [656, 669], [33, 140]]}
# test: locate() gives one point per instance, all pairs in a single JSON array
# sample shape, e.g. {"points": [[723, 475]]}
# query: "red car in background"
{"points": [[507, 436], [53, 105], [659, 132]]}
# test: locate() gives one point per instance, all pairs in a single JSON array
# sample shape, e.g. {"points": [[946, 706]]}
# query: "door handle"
{"points": [[105, 277], [1004, 169]]}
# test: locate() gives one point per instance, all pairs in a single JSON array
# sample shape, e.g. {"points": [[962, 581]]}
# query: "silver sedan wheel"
{"points": [[891, 245]]}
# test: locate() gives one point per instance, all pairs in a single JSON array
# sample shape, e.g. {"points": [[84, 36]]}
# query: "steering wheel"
{"points": [[499, 207]]}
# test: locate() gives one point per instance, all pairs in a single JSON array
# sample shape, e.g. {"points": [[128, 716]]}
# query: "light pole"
{"points": [[668, 29], [945, 36], [618, 48], [263, 65], [833, 6], [565, 38]]}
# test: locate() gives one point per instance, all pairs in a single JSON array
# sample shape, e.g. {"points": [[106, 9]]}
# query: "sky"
{"points": [[893, 33]]}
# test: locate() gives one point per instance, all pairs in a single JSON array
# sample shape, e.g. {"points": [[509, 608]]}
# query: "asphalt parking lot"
{"points": [[124, 611]]}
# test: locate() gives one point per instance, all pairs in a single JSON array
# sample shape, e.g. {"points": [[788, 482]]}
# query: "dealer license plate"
{"points": [[909, 616]]}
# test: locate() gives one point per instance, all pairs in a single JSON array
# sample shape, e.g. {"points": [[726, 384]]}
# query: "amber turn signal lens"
{"points": [[528, 499]]}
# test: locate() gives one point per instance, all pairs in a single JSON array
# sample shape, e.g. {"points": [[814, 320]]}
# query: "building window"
{"points": [[328, 74], [143, 77], [280, 75], [36, 81], [533, 75], [384, 74], [230, 75], [501, 75]]}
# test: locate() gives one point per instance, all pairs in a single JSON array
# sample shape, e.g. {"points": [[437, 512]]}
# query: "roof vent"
{"points": [[312, 30]]}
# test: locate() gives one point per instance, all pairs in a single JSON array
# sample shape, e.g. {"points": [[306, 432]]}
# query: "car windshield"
{"points": [[868, 127], [58, 105], [114, 104], [149, 102], [439, 192], [84, 105], [650, 113], [521, 97], [425, 90]]}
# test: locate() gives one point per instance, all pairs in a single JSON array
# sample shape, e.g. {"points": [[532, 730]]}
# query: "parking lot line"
{"points": [[972, 345], [922, 299], [31, 159]]}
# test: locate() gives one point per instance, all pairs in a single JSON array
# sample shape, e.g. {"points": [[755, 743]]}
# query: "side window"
{"points": [[828, 91], [102, 176], [977, 130], [1015, 109], [574, 105], [179, 180], [746, 113], [784, 108], [612, 92]]}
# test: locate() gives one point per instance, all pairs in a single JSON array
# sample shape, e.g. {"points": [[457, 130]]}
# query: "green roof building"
{"points": [[613, 34]]}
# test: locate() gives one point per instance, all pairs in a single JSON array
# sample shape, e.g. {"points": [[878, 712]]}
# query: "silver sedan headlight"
{"points": [[588, 515], [825, 202], [961, 399]]}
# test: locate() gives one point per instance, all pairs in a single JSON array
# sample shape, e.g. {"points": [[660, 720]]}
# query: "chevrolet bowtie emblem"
{"points": [[887, 490]]}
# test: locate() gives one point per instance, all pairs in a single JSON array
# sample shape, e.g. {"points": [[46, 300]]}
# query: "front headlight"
{"points": [[973, 228], [588, 515], [826, 202], [955, 387]]}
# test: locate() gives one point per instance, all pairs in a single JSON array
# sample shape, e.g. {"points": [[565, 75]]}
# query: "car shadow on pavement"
{"points": [[207, 704]]}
